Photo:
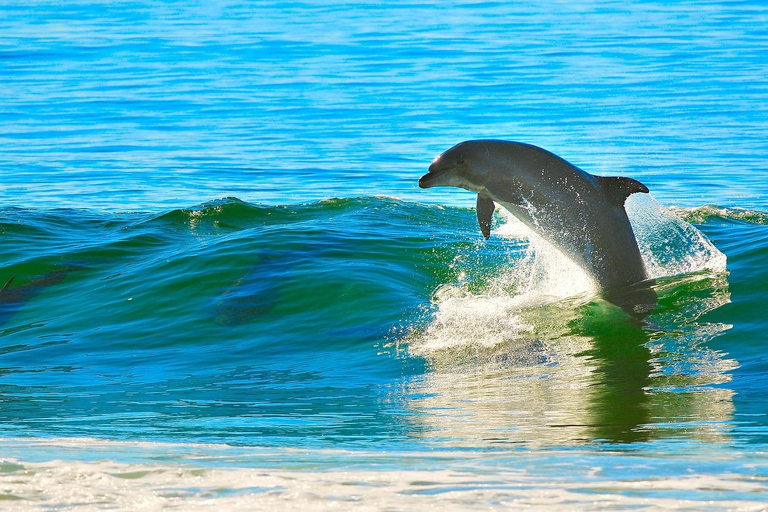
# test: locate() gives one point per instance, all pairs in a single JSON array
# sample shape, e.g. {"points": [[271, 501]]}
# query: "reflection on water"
{"points": [[618, 403], [581, 373]]}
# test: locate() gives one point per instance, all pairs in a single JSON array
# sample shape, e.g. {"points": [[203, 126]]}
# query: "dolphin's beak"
{"points": [[428, 180], [425, 181]]}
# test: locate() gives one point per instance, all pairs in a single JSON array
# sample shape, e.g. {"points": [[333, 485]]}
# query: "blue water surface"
{"points": [[147, 105]]}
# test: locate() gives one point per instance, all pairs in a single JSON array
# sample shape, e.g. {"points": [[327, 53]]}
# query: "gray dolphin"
{"points": [[13, 299], [581, 214]]}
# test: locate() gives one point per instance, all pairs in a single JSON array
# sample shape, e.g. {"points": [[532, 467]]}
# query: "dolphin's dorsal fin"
{"points": [[485, 209], [7, 284], [617, 188]]}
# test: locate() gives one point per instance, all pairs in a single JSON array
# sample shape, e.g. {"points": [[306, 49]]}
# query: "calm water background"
{"points": [[212, 221]]}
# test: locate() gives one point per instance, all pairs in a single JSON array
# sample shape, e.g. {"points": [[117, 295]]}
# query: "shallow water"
{"points": [[228, 291]]}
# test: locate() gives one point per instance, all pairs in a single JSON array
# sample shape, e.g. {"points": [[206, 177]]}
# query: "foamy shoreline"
{"points": [[202, 477]]}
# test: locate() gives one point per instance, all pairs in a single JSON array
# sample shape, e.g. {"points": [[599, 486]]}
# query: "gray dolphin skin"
{"points": [[581, 214]]}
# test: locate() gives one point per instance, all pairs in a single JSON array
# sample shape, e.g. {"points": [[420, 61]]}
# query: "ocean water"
{"points": [[225, 290]]}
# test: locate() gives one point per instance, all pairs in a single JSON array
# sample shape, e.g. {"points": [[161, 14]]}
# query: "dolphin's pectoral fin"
{"points": [[617, 188], [485, 209]]}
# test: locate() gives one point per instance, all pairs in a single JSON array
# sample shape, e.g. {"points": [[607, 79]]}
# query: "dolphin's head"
{"points": [[457, 167]]}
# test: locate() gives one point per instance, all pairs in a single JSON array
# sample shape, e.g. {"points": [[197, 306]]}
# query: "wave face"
{"points": [[330, 322]]}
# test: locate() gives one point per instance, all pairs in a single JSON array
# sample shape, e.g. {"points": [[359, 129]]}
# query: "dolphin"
{"points": [[257, 292], [581, 214], [12, 299]]}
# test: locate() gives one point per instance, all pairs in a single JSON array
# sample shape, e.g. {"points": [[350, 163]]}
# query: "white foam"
{"points": [[113, 485]]}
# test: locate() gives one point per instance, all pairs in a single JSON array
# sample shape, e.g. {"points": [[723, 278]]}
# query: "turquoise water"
{"points": [[224, 280]]}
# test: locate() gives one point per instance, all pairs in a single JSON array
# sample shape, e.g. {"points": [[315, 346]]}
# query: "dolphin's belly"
{"points": [[600, 240]]}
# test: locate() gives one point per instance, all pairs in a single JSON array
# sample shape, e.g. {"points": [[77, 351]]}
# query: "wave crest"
{"points": [[708, 212]]}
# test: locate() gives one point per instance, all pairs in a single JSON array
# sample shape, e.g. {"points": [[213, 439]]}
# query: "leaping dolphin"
{"points": [[581, 214]]}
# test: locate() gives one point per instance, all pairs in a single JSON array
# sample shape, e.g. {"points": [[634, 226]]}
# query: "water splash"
{"points": [[541, 276], [536, 275], [670, 246]]}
